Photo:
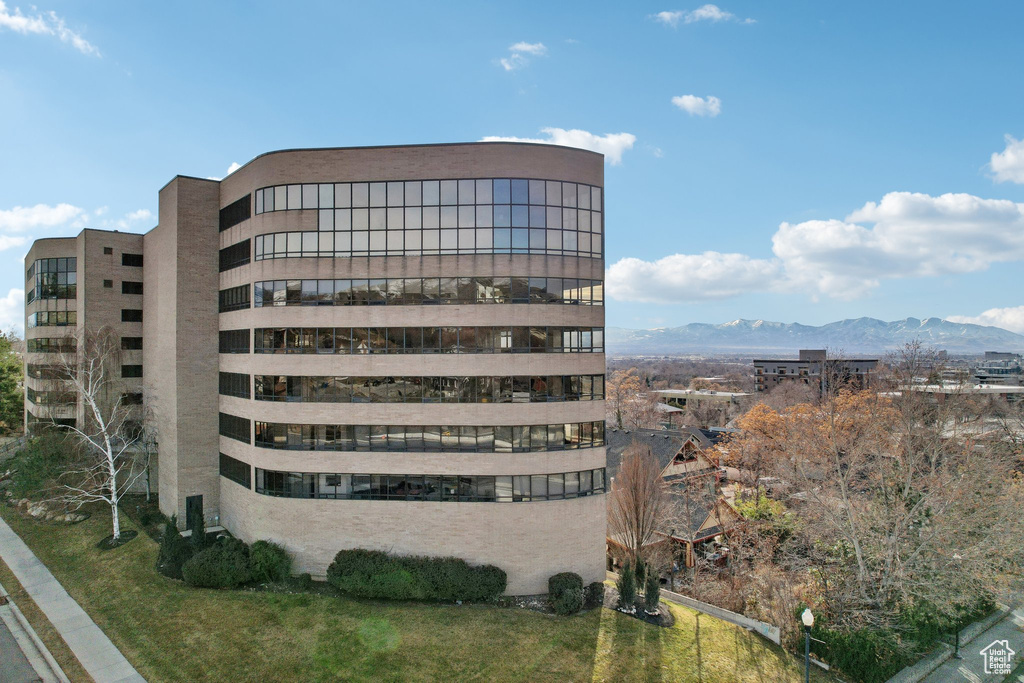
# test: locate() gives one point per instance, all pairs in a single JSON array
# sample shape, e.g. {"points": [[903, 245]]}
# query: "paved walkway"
{"points": [[972, 666], [98, 656]]}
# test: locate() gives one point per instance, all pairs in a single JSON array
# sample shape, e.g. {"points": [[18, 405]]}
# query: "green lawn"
{"points": [[174, 633]]}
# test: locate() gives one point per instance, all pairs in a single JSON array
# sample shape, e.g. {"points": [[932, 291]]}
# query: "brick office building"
{"points": [[394, 347]]}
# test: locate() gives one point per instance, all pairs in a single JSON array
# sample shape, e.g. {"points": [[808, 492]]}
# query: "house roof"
{"points": [[664, 443]]}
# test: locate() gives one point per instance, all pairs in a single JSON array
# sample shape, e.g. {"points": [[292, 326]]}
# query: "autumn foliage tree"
{"points": [[901, 507]]}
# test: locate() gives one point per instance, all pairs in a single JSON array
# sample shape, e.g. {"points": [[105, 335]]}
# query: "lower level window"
{"points": [[450, 488], [427, 438]]}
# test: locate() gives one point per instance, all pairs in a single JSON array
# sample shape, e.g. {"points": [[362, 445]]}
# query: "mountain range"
{"points": [[861, 335]]}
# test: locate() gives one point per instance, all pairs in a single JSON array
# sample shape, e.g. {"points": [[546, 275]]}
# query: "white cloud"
{"points": [[904, 235], [689, 277], [517, 55], [12, 310], [709, 13], [231, 169], [670, 18], [699, 106], [1011, 319], [47, 23], [8, 241], [1008, 165], [22, 218], [611, 145], [535, 49], [712, 13], [129, 220]]}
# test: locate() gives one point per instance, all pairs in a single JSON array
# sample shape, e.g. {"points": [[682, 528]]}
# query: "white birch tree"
{"points": [[107, 430]]}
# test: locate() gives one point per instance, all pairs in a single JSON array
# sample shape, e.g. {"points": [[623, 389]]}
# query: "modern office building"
{"points": [[815, 369], [397, 348]]}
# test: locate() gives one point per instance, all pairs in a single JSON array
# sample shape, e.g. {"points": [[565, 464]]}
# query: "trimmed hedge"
{"points": [[564, 581], [376, 574], [565, 592], [269, 562], [223, 565]]}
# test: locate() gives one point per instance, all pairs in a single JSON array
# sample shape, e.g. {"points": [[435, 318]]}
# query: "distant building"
{"points": [[815, 369], [680, 398], [1007, 393], [999, 368]]}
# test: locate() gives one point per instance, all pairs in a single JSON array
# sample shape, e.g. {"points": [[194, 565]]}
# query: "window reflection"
{"points": [[430, 438], [420, 208], [413, 487]]}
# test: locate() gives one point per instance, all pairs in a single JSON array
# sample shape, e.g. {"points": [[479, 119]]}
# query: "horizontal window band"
{"points": [[478, 289], [416, 389], [425, 438], [428, 340], [415, 487]]}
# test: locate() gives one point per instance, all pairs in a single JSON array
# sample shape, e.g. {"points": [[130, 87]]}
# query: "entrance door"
{"points": [[193, 507]]}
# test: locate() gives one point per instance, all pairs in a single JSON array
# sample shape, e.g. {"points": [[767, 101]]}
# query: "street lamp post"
{"points": [[807, 617]]}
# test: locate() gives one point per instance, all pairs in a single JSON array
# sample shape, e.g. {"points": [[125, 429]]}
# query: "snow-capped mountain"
{"points": [[857, 335]]}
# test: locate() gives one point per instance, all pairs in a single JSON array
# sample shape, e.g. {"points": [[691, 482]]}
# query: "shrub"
{"points": [[39, 464], [305, 581], [565, 593], [198, 538], [175, 551], [569, 601], [626, 586], [375, 574], [652, 591], [563, 582], [639, 572], [225, 564], [269, 562], [593, 596]]}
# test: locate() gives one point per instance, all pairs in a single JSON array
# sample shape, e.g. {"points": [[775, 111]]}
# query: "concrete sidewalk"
{"points": [[972, 666], [98, 656]]}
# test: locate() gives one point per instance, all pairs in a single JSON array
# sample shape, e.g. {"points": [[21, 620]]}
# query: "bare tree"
{"points": [[904, 505], [638, 503], [630, 404], [108, 430]]}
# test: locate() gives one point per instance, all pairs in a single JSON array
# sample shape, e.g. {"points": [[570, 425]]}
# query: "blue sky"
{"points": [[797, 161]]}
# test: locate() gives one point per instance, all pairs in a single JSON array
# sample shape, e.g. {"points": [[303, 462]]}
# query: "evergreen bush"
{"points": [[269, 562], [652, 592], [565, 593], [225, 564], [593, 596], [198, 538], [376, 574], [174, 552], [569, 601], [639, 572], [559, 583], [626, 586]]}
